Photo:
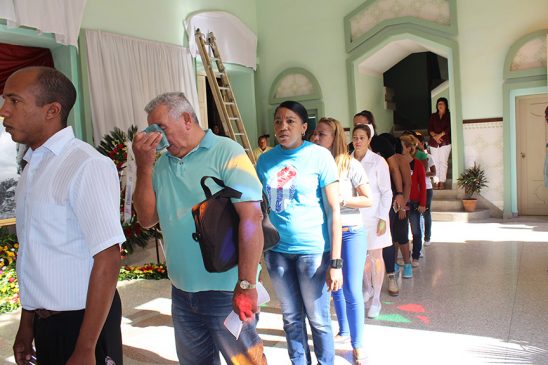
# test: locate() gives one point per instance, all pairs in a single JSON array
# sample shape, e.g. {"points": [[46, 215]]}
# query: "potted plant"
{"points": [[472, 180]]}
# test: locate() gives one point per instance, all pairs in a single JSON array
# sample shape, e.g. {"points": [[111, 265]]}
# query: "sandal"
{"points": [[358, 357]]}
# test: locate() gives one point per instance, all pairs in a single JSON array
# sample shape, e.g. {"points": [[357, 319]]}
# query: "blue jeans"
{"points": [[427, 215], [415, 222], [299, 282], [348, 302], [200, 333]]}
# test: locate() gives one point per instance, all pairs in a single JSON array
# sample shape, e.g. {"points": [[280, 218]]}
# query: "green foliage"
{"points": [[472, 180]]}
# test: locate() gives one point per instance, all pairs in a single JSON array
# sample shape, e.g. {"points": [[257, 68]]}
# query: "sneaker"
{"points": [[427, 242], [397, 268], [393, 285], [422, 252], [374, 310], [407, 271], [341, 338], [415, 263]]}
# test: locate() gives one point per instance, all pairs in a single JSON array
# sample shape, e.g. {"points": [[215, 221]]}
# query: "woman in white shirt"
{"points": [[375, 218]]}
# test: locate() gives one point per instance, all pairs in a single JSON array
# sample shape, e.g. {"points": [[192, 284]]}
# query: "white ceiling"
{"points": [[389, 55]]}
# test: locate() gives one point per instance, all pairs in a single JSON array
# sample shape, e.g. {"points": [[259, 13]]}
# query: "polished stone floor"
{"points": [[480, 296]]}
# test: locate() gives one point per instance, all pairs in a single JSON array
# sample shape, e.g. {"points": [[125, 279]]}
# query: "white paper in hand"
{"points": [[234, 324], [262, 294]]}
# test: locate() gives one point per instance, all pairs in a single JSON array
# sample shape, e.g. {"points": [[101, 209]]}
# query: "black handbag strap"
{"points": [[265, 204], [226, 192]]}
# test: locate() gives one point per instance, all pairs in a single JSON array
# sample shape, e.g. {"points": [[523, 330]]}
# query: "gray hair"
{"points": [[176, 103]]}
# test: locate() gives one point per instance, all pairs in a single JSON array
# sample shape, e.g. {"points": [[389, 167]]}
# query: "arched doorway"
{"points": [[384, 49]]}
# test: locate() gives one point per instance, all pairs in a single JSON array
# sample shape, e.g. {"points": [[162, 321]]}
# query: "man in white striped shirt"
{"points": [[68, 226]]}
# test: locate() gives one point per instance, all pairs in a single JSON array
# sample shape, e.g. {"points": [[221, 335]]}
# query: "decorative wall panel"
{"points": [[483, 143], [437, 11], [531, 55], [294, 85]]}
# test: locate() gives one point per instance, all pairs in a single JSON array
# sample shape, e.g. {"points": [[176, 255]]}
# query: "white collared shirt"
{"points": [[68, 210]]}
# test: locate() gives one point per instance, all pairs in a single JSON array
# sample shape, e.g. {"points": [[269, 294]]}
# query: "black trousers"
{"points": [[55, 337]]}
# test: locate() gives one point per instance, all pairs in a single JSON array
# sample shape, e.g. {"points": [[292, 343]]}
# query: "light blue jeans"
{"points": [[200, 333], [348, 302], [299, 282]]}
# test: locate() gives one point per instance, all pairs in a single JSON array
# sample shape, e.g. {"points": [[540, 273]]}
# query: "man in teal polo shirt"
{"points": [[165, 192]]}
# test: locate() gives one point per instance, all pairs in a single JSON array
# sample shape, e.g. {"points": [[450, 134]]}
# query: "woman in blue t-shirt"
{"points": [[355, 193], [301, 182]]}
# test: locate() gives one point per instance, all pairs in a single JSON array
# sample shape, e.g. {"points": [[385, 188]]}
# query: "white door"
{"points": [[532, 139]]}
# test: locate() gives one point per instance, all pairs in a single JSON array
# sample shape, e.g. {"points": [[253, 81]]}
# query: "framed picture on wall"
{"points": [[11, 155]]}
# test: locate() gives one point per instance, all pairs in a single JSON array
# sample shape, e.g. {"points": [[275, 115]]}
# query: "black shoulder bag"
{"points": [[217, 222]]}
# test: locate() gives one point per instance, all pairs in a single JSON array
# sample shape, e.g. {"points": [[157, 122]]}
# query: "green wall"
{"points": [[370, 93], [149, 19], [307, 34], [158, 20], [487, 29]]}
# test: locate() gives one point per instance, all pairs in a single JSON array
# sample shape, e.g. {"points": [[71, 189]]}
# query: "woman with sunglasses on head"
{"points": [[354, 194], [301, 182]]}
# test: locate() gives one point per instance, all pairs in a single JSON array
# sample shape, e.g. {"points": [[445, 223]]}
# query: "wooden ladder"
{"points": [[219, 83]]}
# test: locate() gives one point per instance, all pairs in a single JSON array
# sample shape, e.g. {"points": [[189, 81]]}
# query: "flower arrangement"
{"points": [[147, 271], [8, 248], [9, 289], [115, 146]]}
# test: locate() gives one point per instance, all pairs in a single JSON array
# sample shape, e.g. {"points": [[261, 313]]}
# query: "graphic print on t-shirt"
{"points": [[281, 188]]}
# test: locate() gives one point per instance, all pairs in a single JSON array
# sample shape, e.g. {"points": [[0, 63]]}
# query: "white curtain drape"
{"points": [[125, 73], [60, 17]]}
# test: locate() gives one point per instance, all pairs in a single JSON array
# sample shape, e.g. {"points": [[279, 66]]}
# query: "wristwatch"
{"points": [[336, 264], [398, 193], [244, 284]]}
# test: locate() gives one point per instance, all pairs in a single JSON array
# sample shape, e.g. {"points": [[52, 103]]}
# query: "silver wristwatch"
{"points": [[244, 284]]}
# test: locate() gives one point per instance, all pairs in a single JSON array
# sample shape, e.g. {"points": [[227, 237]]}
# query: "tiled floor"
{"points": [[479, 297]]}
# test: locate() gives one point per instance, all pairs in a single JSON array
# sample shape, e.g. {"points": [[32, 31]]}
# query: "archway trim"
{"points": [[542, 37], [443, 20], [313, 90]]}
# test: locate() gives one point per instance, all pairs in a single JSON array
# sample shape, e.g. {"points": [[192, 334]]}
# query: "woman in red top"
{"points": [[416, 203], [439, 129]]}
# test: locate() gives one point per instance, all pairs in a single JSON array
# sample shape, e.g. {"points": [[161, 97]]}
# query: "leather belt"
{"points": [[45, 313]]}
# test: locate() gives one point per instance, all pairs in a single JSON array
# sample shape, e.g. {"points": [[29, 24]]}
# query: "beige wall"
{"points": [[487, 30]]}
